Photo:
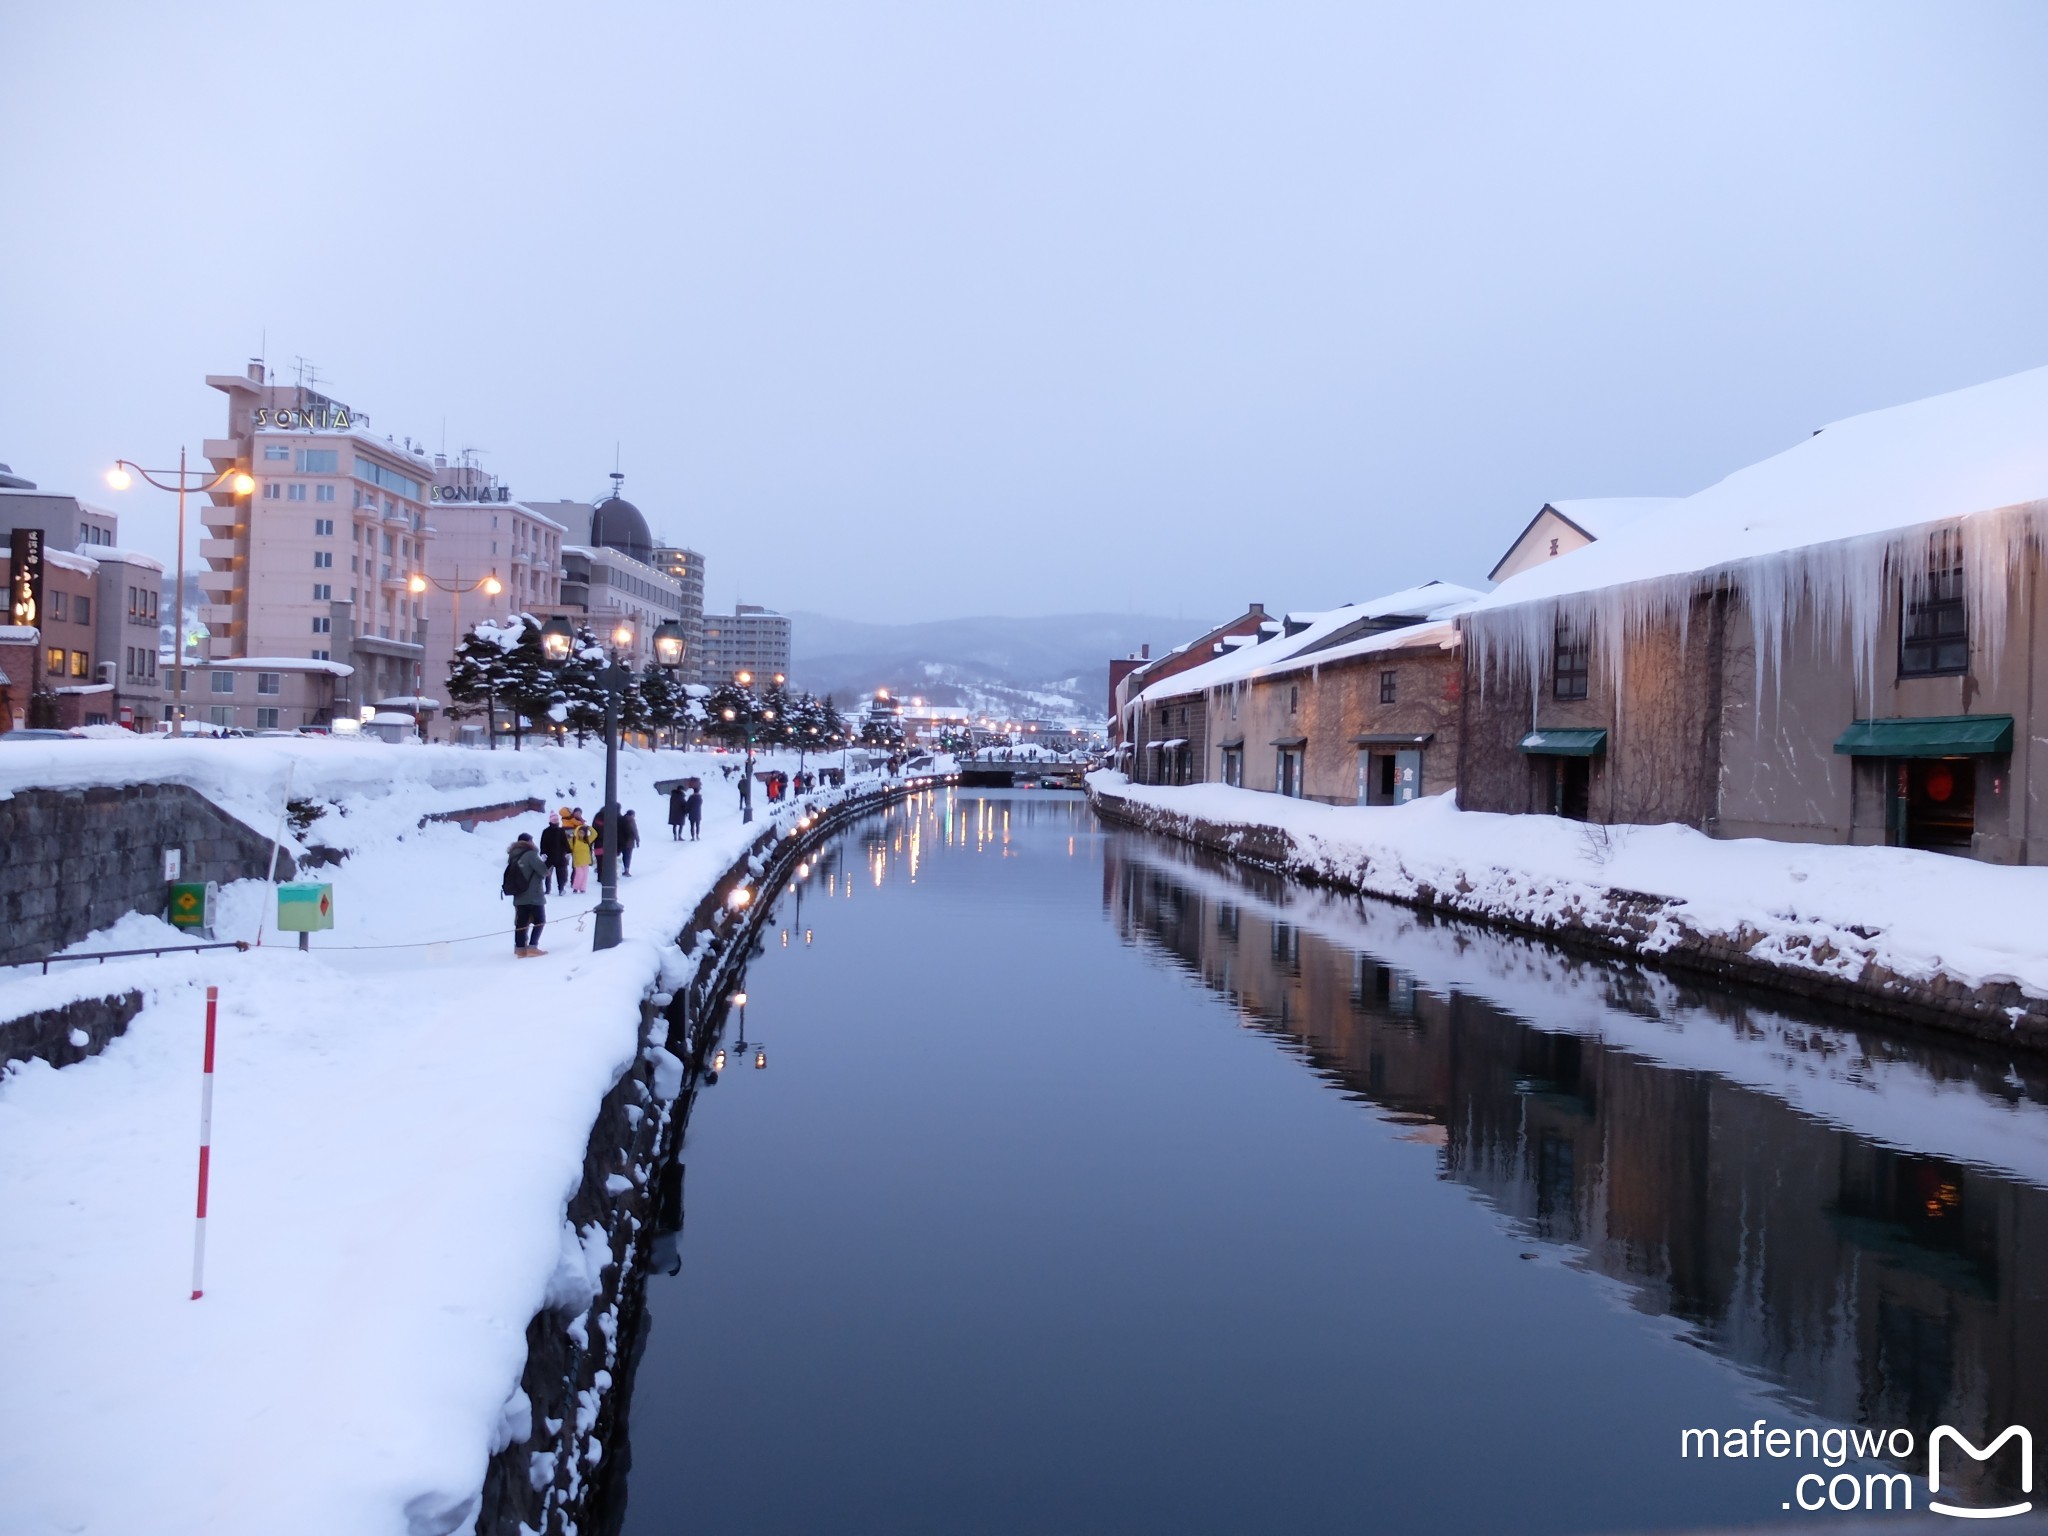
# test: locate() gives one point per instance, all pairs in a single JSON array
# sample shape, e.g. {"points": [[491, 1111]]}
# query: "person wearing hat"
{"points": [[554, 851], [526, 882]]}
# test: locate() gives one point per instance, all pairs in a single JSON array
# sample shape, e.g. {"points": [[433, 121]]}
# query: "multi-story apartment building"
{"points": [[316, 563], [749, 639], [686, 568]]}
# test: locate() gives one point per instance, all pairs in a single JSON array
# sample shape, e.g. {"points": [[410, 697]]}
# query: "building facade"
{"points": [[749, 639], [265, 694], [316, 564], [685, 567]]}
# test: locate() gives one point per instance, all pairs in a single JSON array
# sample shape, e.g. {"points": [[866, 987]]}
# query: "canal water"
{"points": [[1093, 1185]]}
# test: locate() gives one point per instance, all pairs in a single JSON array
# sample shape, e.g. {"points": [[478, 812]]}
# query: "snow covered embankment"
{"points": [[1914, 935], [402, 1137]]}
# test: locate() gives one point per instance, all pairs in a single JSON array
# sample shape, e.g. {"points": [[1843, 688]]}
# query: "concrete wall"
{"points": [[77, 859]]}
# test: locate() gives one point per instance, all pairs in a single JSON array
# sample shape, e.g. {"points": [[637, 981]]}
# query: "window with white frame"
{"points": [[266, 719], [269, 682]]}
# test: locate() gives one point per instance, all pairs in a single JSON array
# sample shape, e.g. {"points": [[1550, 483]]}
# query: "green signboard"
{"points": [[191, 904], [305, 906]]}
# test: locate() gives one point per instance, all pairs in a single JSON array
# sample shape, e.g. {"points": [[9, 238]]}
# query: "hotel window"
{"points": [[53, 660], [1934, 635], [323, 559], [1570, 662], [1389, 682], [322, 592], [221, 714], [355, 565], [266, 719], [297, 492], [81, 664], [275, 451], [270, 490], [223, 682], [323, 625], [319, 461], [268, 682], [320, 656], [323, 493], [322, 527]]}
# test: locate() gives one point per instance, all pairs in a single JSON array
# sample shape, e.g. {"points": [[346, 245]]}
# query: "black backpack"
{"points": [[515, 880]]}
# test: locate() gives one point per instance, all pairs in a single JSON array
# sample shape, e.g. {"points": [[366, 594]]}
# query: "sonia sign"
{"points": [[469, 493]]}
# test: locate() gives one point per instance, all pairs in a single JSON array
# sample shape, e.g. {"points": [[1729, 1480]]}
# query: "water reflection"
{"points": [[1855, 1218]]}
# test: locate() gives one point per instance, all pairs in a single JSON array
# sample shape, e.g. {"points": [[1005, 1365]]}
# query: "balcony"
{"points": [[226, 585], [398, 519], [220, 551], [220, 519], [222, 450], [522, 557]]}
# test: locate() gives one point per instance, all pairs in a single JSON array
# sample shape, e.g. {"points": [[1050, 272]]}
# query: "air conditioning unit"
{"points": [[109, 672]]}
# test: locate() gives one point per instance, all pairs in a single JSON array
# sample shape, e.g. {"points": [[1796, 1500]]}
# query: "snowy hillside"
{"points": [[1055, 666]]}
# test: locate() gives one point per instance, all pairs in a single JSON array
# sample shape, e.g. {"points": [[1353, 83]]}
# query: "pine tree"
{"points": [[526, 683], [663, 699], [582, 695], [727, 712]]}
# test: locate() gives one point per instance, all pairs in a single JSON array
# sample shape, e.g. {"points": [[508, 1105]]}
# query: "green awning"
{"points": [[1573, 743], [1936, 736]]}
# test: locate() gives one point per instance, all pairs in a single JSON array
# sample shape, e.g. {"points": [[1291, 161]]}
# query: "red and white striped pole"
{"points": [[205, 1147]]}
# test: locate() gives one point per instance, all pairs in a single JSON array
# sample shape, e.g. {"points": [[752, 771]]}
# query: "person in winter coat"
{"points": [[582, 854], [694, 809], [629, 839], [554, 852], [526, 882], [678, 812]]}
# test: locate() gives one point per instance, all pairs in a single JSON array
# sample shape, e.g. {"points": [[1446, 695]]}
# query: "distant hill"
{"points": [[1057, 667]]}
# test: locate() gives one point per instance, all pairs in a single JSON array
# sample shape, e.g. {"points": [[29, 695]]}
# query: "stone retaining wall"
{"points": [[1617, 924], [75, 860]]}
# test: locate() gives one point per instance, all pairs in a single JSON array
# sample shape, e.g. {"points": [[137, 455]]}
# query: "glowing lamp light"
{"points": [[669, 644], [761, 1059], [244, 483], [622, 636], [556, 638], [416, 583], [493, 586], [740, 998], [119, 478], [718, 1062], [739, 898], [743, 678]]}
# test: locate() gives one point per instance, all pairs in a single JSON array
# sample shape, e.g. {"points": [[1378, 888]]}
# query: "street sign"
{"points": [[191, 906], [305, 906], [174, 864]]}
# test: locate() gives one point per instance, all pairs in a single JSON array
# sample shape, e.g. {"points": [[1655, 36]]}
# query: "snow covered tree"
{"points": [[834, 726], [663, 699], [774, 727], [727, 713], [481, 671], [520, 678], [582, 693], [806, 727], [634, 714]]}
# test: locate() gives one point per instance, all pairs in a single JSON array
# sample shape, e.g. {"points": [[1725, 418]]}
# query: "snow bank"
{"points": [[399, 1119], [1843, 913]]}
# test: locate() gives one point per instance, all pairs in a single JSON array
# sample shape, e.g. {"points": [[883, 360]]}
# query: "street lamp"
{"points": [[610, 927], [671, 645], [746, 719], [490, 586], [238, 480]]}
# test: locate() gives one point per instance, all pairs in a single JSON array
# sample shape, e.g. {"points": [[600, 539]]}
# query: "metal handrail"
{"points": [[122, 954]]}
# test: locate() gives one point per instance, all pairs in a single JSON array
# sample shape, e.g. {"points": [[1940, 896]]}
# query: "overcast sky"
{"points": [[921, 310]]}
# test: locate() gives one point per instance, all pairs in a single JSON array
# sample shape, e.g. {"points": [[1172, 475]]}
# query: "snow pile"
{"points": [[1835, 911], [399, 1119]]}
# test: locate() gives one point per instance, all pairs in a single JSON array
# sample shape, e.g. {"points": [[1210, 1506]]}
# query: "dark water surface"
{"points": [[1093, 1186]]}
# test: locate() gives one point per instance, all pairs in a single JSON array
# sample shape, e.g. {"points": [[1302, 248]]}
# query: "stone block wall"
{"points": [[74, 860]]}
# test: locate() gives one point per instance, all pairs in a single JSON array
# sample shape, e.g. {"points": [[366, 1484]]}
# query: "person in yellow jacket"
{"points": [[582, 851]]}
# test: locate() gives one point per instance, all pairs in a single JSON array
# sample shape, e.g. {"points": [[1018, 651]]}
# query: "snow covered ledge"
{"points": [[1918, 936]]}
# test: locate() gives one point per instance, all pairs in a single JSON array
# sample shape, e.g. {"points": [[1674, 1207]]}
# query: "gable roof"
{"points": [[1597, 517], [1980, 449]]}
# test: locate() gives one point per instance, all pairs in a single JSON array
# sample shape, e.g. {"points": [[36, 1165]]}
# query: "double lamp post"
{"points": [[557, 640]]}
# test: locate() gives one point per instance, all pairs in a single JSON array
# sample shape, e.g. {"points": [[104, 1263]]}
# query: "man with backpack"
{"points": [[526, 882]]}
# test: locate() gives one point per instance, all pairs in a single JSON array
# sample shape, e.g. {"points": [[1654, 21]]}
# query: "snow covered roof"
{"points": [[20, 634], [1601, 517], [1440, 633], [112, 554], [85, 688], [1431, 599], [65, 560], [409, 701], [1975, 450], [273, 664]]}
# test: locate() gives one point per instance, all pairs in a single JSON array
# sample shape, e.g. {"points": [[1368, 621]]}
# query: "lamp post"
{"points": [[120, 477], [753, 715], [557, 639], [671, 645], [418, 583]]}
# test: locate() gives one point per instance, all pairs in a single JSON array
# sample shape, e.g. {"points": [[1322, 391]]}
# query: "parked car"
{"points": [[36, 733]]}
